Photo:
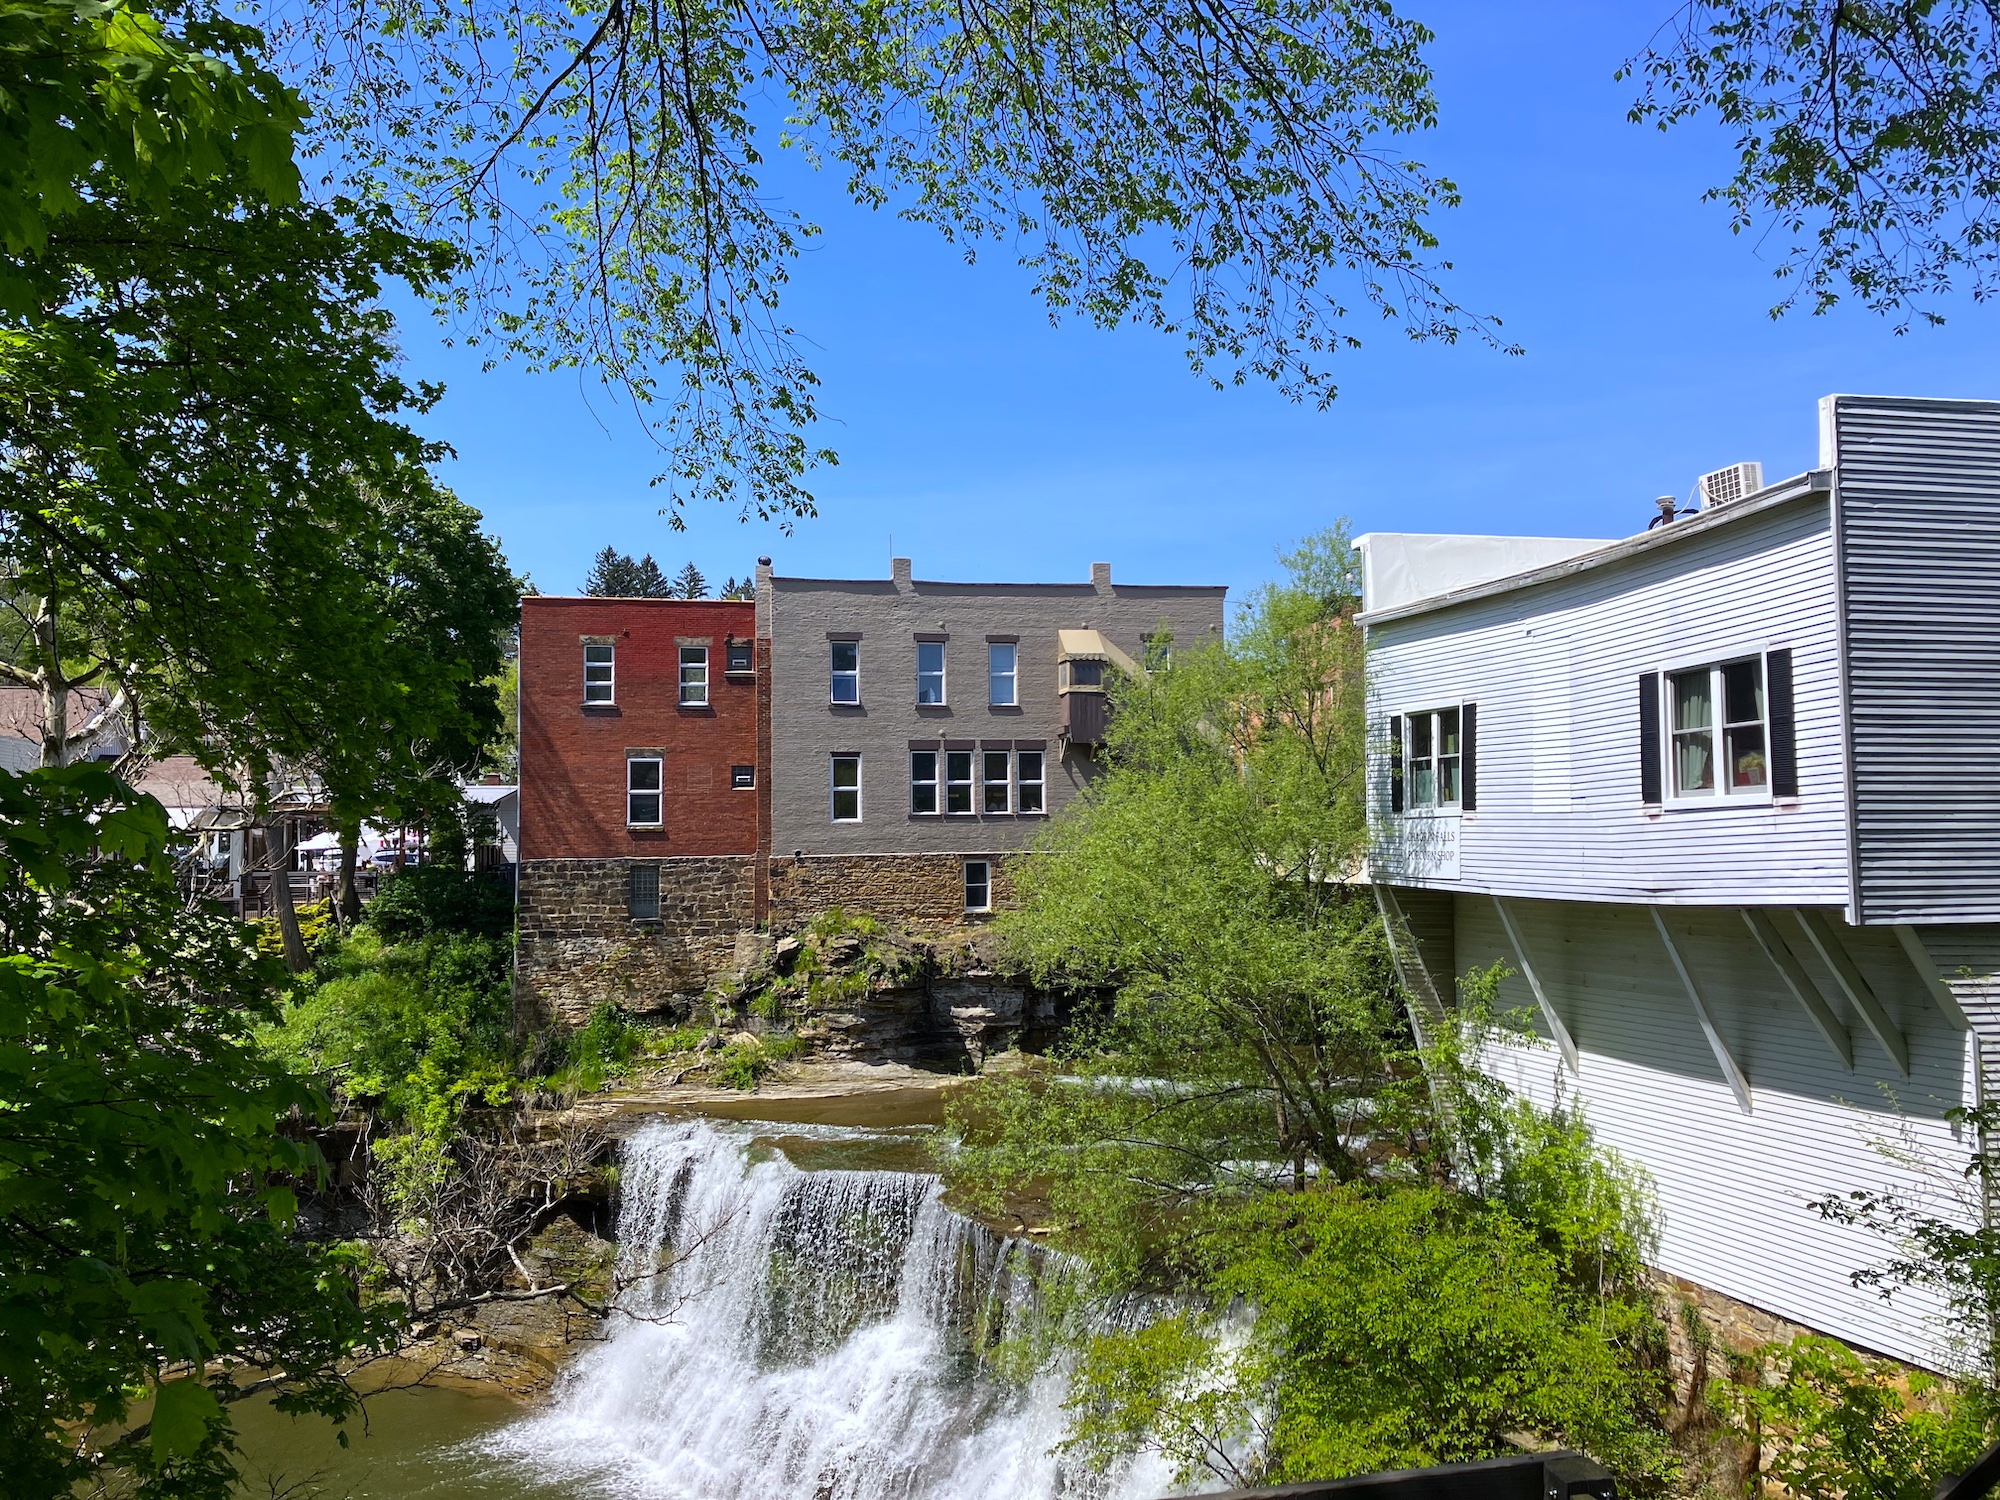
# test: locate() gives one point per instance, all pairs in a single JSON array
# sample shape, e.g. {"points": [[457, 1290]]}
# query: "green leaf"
{"points": [[183, 1412]]}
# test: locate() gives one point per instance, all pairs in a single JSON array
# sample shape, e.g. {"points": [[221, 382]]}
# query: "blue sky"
{"points": [[990, 446]]}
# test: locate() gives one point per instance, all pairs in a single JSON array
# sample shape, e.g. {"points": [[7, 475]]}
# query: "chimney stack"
{"points": [[1100, 577], [899, 573]]}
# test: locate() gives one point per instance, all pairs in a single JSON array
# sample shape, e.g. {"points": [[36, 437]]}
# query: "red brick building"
{"points": [[639, 795]]}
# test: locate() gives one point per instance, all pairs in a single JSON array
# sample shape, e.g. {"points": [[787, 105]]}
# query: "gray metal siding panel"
{"points": [[806, 729], [1554, 670], [1918, 487], [1735, 1190]]}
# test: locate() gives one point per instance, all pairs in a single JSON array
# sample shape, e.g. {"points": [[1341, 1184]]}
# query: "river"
{"points": [[801, 1319]]}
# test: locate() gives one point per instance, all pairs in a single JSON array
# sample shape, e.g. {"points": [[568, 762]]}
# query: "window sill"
{"points": [[852, 708], [748, 674], [695, 708], [600, 708], [1004, 708], [1715, 804], [932, 708]]}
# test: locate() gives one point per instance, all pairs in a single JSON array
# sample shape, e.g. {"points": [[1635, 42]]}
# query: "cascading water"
{"points": [[795, 1335]]}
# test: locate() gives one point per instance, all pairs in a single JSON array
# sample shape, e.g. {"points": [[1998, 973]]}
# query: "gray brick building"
{"points": [[918, 730]]}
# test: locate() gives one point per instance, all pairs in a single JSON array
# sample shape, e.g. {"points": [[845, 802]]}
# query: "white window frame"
{"points": [[987, 784], [969, 781], [1010, 676], [1721, 794], [985, 867], [836, 675], [1039, 782], [610, 680], [657, 791], [694, 656], [834, 788], [939, 674], [1432, 717], [932, 783]]}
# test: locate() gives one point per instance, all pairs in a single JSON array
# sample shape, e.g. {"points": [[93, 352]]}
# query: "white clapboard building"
{"points": [[1724, 797]]}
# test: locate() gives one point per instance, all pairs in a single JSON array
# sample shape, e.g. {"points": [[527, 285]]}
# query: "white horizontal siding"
{"points": [[1555, 672], [1735, 1190]]}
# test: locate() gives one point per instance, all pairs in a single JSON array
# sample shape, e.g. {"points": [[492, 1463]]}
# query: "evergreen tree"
{"points": [[649, 581], [612, 575], [689, 584]]}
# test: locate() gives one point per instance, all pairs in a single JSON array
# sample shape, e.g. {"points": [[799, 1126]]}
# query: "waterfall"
{"points": [[793, 1335]]}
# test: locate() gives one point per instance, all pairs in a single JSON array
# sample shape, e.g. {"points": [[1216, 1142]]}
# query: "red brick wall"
{"points": [[573, 758]]}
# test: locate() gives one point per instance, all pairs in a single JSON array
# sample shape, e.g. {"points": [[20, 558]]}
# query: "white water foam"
{"points": [[793, 1335]]}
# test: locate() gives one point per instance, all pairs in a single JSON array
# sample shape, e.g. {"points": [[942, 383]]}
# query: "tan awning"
{"points": [[1090, 645]]}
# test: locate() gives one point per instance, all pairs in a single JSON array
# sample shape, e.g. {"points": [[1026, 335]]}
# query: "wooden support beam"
{"points": [[1733, 1075], [1426, 1008], [1826, 942], [1927, 971], [1555, 1022], [1799, 983]]}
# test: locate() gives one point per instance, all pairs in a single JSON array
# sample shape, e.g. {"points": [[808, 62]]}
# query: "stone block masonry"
{"points": [[578, 945], [916, 890]]}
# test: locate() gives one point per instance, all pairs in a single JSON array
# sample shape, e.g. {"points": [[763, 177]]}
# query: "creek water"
{"points": [[801, 1318]]}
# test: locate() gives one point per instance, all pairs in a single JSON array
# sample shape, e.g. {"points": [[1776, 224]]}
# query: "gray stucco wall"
{"points": [[888, 617]]}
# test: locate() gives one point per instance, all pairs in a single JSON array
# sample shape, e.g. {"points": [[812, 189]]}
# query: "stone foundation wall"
{"points": [[578, 946], [920, 890]]}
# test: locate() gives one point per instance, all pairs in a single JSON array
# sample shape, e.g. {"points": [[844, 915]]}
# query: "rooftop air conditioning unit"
{"points": [[1732, 483]]}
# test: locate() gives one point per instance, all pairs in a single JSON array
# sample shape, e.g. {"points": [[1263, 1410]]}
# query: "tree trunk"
{"points": [[349, 896], [55, 691], [296, 957]]}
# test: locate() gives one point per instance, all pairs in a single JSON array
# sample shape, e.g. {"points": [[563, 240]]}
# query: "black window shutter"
{"points": [[1784, 729], [1468, 764], [1649, 737], [1395, 763]]}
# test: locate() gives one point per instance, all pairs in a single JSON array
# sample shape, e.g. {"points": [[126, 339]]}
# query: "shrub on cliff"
{"points": [[428, 899]]}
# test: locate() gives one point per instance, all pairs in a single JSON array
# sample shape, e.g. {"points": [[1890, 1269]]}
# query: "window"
{"points": [[642, 899], [1028, 792], [846, 674], [847, 789], [1159, 652], [1717, 709], [694, 675], [740, 656], [930, 671], [923, 781], [958, 781], [1431, 758], [1002, 675], [995, 781], [978, 885], [642, 791], [743, 778], [597, 668], [1083, 674]]}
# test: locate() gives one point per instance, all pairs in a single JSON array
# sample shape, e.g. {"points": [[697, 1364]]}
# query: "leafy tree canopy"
{"points": [[147, 1189], [93, 89], [1236, 174], [1868, 134]]}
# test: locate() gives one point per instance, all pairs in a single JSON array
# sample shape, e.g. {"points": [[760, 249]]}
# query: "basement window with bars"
{"points": [[642, 791], [642, 897]]}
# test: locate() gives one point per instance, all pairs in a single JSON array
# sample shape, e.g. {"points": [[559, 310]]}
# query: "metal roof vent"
{"points": [[1732, 483]]}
